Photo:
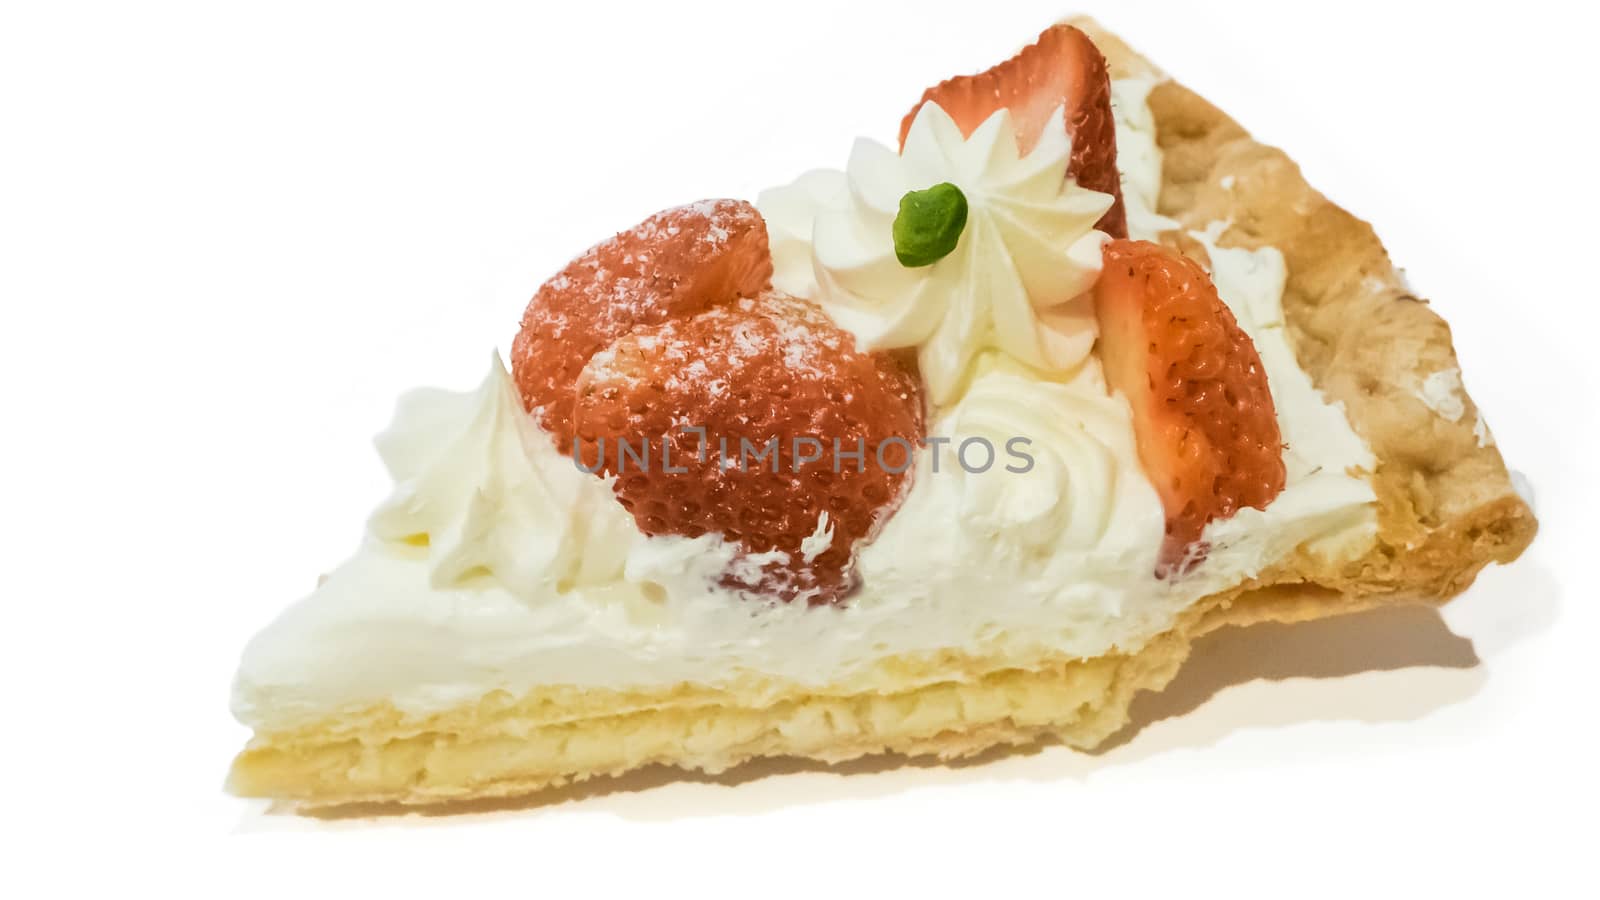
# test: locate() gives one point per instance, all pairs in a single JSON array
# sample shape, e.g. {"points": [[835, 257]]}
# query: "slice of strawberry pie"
{"points": [[961, 445]]}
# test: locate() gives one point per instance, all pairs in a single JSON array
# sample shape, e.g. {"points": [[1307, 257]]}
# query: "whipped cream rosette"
{"points": [[493, 497], [1016, 280]]}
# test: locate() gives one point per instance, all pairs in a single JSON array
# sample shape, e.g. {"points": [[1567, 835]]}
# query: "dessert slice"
{"points": [[924, 456]]}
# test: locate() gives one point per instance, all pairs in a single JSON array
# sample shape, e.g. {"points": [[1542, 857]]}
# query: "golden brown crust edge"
{"points": [[1446, 509], [1445, 501]]}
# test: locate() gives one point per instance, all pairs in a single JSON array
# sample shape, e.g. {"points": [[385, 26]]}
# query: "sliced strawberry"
{"points": [[1202, 412], [677, 262], [730, 390], [1062, 68]]}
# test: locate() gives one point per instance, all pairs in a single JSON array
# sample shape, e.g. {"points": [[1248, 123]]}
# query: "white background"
{"points": [[230, 235]]}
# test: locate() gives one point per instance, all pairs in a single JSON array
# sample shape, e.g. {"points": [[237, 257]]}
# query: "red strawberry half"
{"points": [[742, 409], [1202, 412], [1062, 68], [676, 263]]}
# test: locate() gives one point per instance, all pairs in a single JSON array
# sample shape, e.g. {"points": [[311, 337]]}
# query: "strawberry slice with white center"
{"points": [[1061, 69]]}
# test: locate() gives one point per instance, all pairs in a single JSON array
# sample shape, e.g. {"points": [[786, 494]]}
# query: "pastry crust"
{"points": [[1446, 508]]}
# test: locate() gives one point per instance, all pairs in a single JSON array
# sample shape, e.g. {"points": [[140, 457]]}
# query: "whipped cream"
{"points": [[1017, 279], [441, 603], [489, 500], [790, 211], [1442, 393], [1138, 157], [1064, 521]]}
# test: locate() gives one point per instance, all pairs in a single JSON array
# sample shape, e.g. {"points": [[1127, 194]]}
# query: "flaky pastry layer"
{"points": [[1446, 508]]}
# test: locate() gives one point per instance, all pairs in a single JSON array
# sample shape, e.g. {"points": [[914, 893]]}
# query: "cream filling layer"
{"points": [[1005, 565]]}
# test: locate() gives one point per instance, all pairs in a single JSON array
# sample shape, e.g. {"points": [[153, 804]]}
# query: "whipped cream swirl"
{"points": [[790, 211], [477, 483], [1064, 448], [1016, 280]]}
